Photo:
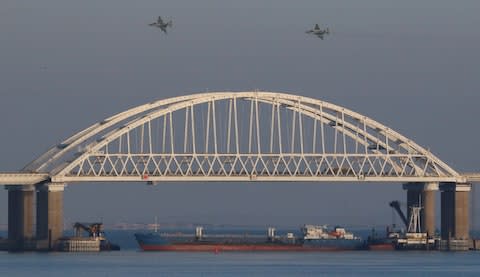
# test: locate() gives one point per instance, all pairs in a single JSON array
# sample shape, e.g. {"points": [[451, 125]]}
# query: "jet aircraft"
{"points": [[318, 32], [162, 25]]}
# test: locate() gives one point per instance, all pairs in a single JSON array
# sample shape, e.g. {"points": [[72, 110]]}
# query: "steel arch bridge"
{"points": [[239, 136]]}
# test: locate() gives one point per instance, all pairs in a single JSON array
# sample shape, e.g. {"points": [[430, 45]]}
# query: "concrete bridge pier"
{"points": [[20, 215], [423, 194], [49, 214], [455, 211]]}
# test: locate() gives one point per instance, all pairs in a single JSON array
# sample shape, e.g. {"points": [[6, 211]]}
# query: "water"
{"points": [[131, 261]]}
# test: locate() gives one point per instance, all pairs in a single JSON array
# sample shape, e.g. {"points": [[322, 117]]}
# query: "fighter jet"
{"points": [[318, 32], [162, 25]]}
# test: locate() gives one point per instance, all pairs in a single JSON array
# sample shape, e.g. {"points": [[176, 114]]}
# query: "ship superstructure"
{"points": [[415, 238]]}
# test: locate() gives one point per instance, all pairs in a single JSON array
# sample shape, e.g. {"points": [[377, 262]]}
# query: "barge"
{"points": [[95, 241]]}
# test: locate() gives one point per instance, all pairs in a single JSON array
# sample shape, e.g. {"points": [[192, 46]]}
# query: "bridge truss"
{"points": [[240, 136]]}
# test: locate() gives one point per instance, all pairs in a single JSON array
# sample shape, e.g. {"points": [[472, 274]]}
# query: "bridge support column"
{"points": [[423, 194], [49, 214], [20, 216], [455, 211]]}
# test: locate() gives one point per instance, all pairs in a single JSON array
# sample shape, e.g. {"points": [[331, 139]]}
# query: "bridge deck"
{"points": [[22, 178], [472, 177]]}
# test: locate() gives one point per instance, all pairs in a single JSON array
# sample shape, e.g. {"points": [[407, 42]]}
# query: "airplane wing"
{"points": [[163, 28]]}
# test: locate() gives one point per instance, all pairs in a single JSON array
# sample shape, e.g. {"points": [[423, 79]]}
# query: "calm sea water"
{"points": [[131, 261]]}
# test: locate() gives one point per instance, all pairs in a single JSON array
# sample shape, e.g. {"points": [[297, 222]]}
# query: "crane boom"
{"points": [[93, 229], [396, 205]]}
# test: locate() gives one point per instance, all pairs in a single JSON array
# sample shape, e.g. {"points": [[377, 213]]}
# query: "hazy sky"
{"points": [[412, 65]]}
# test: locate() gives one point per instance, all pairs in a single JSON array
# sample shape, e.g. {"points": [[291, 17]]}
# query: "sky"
{"points": [[411, 65]]}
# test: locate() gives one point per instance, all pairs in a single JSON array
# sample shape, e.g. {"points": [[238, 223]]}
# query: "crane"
{"points": [[396, 205], [93, 229]]}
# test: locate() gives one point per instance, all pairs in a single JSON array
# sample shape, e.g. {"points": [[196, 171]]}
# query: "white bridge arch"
{"points": [[240, 136]]}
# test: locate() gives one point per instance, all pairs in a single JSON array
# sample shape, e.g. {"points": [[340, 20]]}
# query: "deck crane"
{"points": [[396, 205], [93, 229]]}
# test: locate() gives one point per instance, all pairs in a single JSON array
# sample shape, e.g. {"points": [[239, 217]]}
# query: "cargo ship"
{"points": [[313, 238]]}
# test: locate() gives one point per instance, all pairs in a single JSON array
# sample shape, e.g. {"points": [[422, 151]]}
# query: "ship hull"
{"points": [[381, 244], [198, 247], [381, 247], [246, 247]]}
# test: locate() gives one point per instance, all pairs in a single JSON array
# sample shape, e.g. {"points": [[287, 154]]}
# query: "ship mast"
{"points": [[414, 224]]}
